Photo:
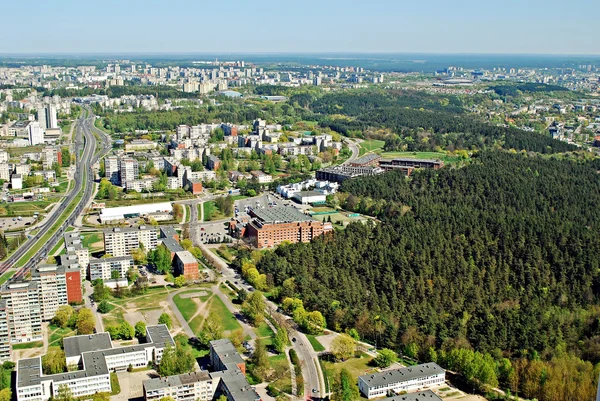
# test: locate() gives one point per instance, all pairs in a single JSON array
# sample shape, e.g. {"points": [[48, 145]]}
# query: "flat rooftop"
{"points": [[280, 214], [177, 380], [77, 345], [400, 375], [159, 334], [426, 395], [227, 353], [171, 244], [186, 257]]}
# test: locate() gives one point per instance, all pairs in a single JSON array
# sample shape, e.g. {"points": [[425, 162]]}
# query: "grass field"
{"points": [[239, 197], [212, 212], [228, 321], [263, 330], [56, 334], [186, 306], [370, 145], [92, 238], [33, 344], [356, 366], [23, 208], [4, 278], [115, 387], [317, 346], [18, 152]]}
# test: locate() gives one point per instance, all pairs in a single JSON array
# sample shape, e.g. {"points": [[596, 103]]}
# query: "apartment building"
{"points": [[103, 268], [412, 378], [261, 177], [121, 241], [213, 163], [191, 386], [74, 246], [230, 371], [129, 170], [23, 311], [51, 155], [271, 226], [111, 170], [224, 356], [4, 332], [56, 283], [186, 265], [95, 358]]}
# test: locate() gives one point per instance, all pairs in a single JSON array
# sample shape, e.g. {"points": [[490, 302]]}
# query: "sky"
{"points": [[306, 26]]}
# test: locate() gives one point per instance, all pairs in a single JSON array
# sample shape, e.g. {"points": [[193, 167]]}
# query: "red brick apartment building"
{"points": [[271, 226]]}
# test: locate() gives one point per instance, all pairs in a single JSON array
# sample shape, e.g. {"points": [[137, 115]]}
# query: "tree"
{"points": [[86, 322], [161, 259], [54, 361], [281, 340], [63, 316], [140, 330], [254, 307], [5, 394], [64, 393], [344, 387], [343, 347], [260, 360], [179, 281], [165, 319], [139, 256], [385, 357], [177, 360], [104, 306], [114, 274], [212, 329], [187, 244], [126, 331], [314, 323], [101, 292]]}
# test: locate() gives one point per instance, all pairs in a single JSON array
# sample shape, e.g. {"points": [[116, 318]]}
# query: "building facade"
{"points": [[102, 268], [121, 241], [412, 378]]}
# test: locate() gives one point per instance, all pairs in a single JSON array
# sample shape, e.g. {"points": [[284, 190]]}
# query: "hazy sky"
{"points": [[200, 26]]}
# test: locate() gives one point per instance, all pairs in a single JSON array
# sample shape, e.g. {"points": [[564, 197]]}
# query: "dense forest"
{"points": [[423, 123], [530, 87], [501, 255]]}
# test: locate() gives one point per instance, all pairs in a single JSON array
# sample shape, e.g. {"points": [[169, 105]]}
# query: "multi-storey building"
{"points": [[95, 358], [103, 268], [58, 285], [230, 371], [412, 378], [4, 171], [121, 241], [186, 265], [111, 169], [23, 311], [74, 246], [4, 332], [408, 165], [36, 134], [342, 173], [426, 395], [191, 386], [51, 155], [272, 226], [129, 170]]}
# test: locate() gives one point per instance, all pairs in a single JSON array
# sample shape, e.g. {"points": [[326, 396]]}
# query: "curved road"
{"points": [[84, 181]]}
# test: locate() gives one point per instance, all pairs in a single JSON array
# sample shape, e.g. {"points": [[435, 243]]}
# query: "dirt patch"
{"points": [[193, 295]]}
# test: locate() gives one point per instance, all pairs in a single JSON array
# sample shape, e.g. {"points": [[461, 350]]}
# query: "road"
{"points": [[354, 147], [84, 182], [311, 369]]}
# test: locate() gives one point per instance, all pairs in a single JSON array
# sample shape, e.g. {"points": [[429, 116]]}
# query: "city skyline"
{"points": [[384, 27]]}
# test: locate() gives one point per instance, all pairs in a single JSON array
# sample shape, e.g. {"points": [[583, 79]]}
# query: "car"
{"points": [[314, 390], [293, 339]]}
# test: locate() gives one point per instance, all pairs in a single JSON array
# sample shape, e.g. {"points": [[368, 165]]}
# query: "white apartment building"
{"points": [[52, 289], [129, 169], [185, 387], [24, 312], [73, 245], [111, 169], [3, 156], [121, 241], [411, 378], [36, 133], [50, 156], [103, 268], [4, 171], [95, 358]]}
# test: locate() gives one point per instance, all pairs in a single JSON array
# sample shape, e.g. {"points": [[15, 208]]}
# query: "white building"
{"points": [[309, 197], [16, 181], [95, 358], [36, 133], [103, 268], [124, 212], [412, 378], [121, 241], [191, 386]]}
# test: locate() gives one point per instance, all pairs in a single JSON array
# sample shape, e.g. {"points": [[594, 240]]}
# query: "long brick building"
{"points": [[271, 226]]}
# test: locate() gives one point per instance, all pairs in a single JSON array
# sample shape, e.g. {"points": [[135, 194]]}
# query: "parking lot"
{"points": [[203, 232], [10, 223]]}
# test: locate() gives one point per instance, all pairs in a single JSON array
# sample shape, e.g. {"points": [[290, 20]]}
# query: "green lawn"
{"points": [[91, 238], [212, 212], [33, 344], [239, 197], [60, 243], [421, 155], [4, 278], [263, 330], [356, 366], [56, 334], [114, 384], [370, 145], [317, 346], [228, 321], [186, 306]]}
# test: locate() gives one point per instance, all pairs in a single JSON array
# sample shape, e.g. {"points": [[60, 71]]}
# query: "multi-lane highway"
{"points": [[84, 183]]}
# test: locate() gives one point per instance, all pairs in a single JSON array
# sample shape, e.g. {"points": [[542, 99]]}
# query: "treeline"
{"points": [[531, 87], [501, 255], [424, 130]]}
